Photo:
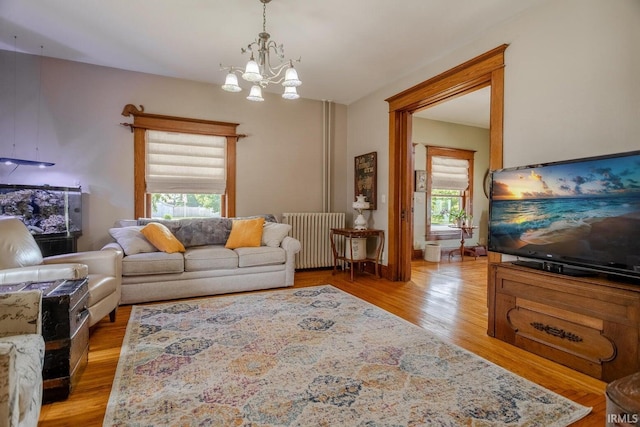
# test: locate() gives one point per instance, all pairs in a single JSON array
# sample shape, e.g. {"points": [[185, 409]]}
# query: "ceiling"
{"points": [[349, 48], [472, 109]]}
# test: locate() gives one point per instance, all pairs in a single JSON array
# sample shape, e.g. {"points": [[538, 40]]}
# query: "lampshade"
{"points": [[231, 83], [255, 94], [252, 71], [290, 93], [360, 223], [291, 78], [360, 203]]}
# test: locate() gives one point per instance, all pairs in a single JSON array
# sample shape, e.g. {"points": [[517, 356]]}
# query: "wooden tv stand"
{"points": [[590, 324]]}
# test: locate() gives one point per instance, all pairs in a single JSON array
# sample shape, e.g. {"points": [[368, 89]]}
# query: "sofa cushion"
{"points": [[162, 238], [214, 257], [152, 263], [132, 240], [262, 255], [201, 231], [245, 233], [273, 233]]}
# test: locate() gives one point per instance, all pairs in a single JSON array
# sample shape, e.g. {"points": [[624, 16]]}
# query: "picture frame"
{"points": [[366, 176], [420, 181]]}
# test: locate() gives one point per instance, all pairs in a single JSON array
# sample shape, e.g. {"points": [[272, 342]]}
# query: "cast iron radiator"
{"points": [[312, 229]]}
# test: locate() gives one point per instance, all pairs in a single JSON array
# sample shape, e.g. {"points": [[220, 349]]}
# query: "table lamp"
{"points": [[360, 222]]}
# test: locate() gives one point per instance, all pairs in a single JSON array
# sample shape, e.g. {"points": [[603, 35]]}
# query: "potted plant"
{"points": [[459, 217]]}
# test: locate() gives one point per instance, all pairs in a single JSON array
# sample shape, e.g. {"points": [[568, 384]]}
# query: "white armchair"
{"points": [[21, 358], [21, 261]]}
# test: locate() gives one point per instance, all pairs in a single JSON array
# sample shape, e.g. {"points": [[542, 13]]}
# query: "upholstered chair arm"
{"points": [[20, 313], [43, 273], [108, 263]]}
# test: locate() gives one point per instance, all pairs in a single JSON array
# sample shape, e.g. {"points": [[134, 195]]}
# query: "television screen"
{"points": [[582, 213]]}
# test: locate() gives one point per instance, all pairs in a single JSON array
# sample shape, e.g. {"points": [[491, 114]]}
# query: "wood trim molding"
{"points": [[143, 121], [168, 123], [481, 71]]}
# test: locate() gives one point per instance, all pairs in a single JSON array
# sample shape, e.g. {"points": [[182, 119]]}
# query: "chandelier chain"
{"points": [[264, 17]]}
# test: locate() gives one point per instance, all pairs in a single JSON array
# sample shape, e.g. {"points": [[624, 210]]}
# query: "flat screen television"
{"points": [[575, 217]]}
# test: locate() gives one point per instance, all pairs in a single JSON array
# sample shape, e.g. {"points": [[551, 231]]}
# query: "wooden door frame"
{"points": [[481, 71]]}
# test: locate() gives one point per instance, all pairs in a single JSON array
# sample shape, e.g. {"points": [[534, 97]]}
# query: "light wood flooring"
{"points": [[446, 298]]}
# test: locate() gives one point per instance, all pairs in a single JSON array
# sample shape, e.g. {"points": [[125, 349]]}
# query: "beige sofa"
{"points": [[206, 267]]}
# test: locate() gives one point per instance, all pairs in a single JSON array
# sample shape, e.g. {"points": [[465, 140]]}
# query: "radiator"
{"points": [[312, 229]]}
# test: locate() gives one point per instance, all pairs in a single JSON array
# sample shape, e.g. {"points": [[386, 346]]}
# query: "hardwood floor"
{"points": [[446, 298]]}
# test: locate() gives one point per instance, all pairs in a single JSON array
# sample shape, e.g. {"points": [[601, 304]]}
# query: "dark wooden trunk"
{"points": [[65, 328]]}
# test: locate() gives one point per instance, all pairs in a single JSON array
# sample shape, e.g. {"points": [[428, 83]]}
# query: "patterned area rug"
{"points": [[310, 357]]}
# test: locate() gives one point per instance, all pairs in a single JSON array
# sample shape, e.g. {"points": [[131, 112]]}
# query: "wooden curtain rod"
{"points": [[142, 120]]}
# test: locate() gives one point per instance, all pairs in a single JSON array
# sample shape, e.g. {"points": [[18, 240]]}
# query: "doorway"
{"points": [[482, 71], [450, 132]]}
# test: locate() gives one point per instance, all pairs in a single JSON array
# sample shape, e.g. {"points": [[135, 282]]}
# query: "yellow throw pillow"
{"points": [[245, 233], [162, 238]]}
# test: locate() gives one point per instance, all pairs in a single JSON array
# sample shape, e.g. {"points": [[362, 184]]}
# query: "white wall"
{"points": [[571, 87], [279, 163]]}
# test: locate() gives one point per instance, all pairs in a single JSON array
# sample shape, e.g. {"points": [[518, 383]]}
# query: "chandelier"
{"points": [[260, 72]]}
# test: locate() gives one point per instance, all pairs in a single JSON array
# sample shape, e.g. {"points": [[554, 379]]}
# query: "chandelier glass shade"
{"points": [[260, 71]]}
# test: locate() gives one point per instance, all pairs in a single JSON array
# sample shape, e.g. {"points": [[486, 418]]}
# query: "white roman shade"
{"points": [[178, 163], [448, 173]]}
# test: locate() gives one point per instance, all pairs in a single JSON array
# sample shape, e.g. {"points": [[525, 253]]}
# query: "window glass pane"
{"points": [[442, 203], [170, 206]]}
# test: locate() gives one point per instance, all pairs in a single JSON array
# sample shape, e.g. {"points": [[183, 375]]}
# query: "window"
{"points": [[449, 190], [184, 163], [185, 174]]}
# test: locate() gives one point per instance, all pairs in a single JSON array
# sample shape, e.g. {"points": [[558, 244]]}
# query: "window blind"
{"points": [[178, 163], [448, 173]]}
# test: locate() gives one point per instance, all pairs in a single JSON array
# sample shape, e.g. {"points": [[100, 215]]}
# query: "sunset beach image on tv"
{"points": [[584, 212]]}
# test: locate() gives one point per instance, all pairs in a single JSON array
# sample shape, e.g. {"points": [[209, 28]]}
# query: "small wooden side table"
{"points": [[350, 234], [464, 229]]}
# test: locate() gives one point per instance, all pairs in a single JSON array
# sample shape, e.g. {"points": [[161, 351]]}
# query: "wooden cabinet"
{"points": [[56, 244], [590, 324]]}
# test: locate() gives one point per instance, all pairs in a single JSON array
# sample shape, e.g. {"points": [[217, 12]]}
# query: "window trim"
{"points": [[143, 121], [467, 196]]}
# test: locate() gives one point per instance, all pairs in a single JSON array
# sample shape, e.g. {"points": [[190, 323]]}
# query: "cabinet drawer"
{"points": [[597, 301], [573, 338]]}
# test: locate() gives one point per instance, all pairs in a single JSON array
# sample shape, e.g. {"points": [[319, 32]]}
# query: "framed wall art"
{"points": [[421, 181], [366, 175]]}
